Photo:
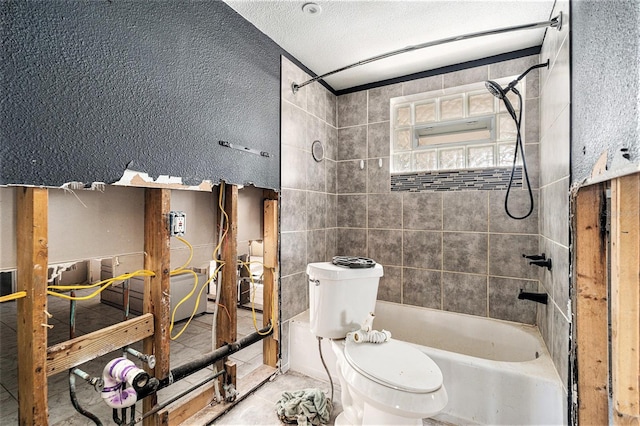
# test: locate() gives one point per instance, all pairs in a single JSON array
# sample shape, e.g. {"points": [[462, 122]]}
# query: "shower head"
{"points": [[495, 89]]}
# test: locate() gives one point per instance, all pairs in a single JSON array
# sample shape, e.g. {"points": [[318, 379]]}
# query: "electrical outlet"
{"points": [[177, 223]]}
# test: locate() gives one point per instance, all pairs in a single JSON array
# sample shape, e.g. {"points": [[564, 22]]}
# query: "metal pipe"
{"points": [[206, 360], [554, 23], [180, 395], [76, 404]]}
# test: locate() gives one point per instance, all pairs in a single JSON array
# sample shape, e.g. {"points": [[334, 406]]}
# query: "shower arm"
{"points": [[554, 23]]}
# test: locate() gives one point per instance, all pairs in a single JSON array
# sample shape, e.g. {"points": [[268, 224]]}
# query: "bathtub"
{"points": [[495, 372]]}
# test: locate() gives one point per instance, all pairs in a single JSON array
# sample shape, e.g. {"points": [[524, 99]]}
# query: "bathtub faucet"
{"points": [[535, 297], [539, 260]]}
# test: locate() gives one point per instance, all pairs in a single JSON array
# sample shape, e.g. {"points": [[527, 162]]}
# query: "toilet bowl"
{"points": [[389, 383]]}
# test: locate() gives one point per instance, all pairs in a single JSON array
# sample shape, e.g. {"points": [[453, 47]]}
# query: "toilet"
{"points": [[390, 383]]}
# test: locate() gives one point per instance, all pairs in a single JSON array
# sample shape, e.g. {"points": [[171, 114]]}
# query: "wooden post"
{"points": [[227, 321], [33, 258], [270, 295], [625, 298], [157, 289], [591, 305]]}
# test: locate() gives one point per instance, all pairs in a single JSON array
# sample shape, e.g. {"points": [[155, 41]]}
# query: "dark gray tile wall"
{"points": [[554, 319], [453, 249], [308, 200]]}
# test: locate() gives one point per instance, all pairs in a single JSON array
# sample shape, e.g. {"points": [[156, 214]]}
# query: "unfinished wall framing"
{"points": [[38, 362], [607, 279]]}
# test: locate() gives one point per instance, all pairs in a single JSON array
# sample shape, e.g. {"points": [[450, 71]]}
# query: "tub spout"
{"points": [[535, 297]]}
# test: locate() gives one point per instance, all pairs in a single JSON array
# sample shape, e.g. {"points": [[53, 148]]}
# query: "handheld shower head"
{"points": [[495, 89]]}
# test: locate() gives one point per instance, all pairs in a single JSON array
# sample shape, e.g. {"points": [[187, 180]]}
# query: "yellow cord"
{"points": [[13, 296], [185, 242], [253, 297], [226, 222], [102, 284]]}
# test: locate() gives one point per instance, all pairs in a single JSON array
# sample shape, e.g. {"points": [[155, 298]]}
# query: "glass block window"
{"points": [[459, 128]]}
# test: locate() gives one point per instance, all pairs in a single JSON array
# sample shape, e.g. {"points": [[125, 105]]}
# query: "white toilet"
{"points": [[390, 383]]}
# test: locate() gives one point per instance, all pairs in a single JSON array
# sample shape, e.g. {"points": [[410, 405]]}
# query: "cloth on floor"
{"points": [[304, 407]]}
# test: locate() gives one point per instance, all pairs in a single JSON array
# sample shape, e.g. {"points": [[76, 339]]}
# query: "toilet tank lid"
{"points": [[329, 271]]}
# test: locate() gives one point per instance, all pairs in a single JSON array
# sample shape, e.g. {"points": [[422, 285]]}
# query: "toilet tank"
{"points": [[340, 298]]}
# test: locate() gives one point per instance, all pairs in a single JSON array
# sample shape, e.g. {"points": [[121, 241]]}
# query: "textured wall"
{"points": [[605, 83], [91, 88]]}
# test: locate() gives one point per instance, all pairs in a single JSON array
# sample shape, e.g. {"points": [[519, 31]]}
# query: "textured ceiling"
{"points": [[346, 32]]}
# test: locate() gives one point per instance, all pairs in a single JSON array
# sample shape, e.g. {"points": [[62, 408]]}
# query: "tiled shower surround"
{"points": [[451, 250]]}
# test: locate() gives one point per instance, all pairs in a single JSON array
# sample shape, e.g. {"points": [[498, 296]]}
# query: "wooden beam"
{"points": [[227, 320], [197, 409], [625, 298], [591, 305], [157, 289], [66, 355], [33, 258], [270, 289]]}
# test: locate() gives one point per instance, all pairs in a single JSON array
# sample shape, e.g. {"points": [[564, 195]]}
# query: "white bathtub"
{"points": [[495, 372]]}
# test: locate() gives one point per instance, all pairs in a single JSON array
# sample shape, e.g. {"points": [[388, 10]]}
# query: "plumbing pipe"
{"points": [[212, 357], [76, 404], [118, 373], [180, 395], [150, 360], [372, 336]]}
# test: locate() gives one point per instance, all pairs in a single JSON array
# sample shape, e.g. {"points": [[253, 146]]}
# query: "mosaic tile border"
{"points": [[496, 179]]}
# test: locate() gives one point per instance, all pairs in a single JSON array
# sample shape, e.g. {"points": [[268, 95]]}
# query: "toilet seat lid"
{"points": [[395, 364]]}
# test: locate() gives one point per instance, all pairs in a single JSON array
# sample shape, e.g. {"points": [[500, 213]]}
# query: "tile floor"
{"points": [[92, 315]]}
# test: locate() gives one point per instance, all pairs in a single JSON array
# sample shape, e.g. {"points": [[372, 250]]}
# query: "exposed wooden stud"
{"points": [[231, 373], [79, 350], [32, 263], [625, 298], [196, 410], [591, 305], [270, 289], [227, 320], [157, 289]]}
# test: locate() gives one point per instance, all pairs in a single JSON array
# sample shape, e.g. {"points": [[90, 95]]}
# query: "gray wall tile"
{"points": [[421, 288], [331, 244], [294, 295], [352, 109], [518, 206], [351, 178], [317, 100], [352, 242], [295, 175], [385, 246], [390, 288], [422, 249], [465, 211], [315, 131], [293, 252], [504, 303], [331, 143], [316, 174], [293, 126], [505, 255], [293, 210], [352, 211], [316, 245], [352, 143], [560, 352], [532, 123], [379, 178], [332, 211], [464, 293], [464, 252], [379, 140], [468, 76], [422, 85], [331, 108], [331, 174], [290, 74], [379, 101], [384, 211], [316, 210], [422, 210], [532, 153], [554, 203]]}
